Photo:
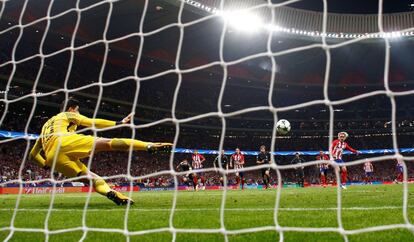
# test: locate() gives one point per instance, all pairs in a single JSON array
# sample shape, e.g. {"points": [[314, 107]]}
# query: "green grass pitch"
{"points": [[363, 206]]}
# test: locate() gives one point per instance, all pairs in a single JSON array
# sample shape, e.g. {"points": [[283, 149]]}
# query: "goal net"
{"points": [[151, 58]]}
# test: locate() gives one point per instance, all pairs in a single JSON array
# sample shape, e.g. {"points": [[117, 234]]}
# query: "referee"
{"points": [[300, 174], [264, 158]]}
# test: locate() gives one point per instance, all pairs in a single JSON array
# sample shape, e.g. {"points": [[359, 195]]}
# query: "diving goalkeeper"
{"points": [[62, 146]]}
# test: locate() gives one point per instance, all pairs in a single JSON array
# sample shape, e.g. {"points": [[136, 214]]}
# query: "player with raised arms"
{"points": [[237, 159], [59, 146], [197, 164], [338, 147], [224, 164], [323, 167], [264, 158]]}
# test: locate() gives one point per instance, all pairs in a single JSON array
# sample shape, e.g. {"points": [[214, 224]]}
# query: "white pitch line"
{"points": [[207, 209]]}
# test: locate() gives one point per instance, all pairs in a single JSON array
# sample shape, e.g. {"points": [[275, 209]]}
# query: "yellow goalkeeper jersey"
{"points": [[67, 122]]}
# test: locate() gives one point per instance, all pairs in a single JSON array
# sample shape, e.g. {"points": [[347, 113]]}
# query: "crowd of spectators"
{"points": [[368, 120], [155, 98], [116, 166]]}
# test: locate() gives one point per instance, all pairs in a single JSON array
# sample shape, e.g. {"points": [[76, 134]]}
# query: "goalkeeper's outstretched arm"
{"points": [[71, 110], [35, 154], [122, 144], [99, 123]]}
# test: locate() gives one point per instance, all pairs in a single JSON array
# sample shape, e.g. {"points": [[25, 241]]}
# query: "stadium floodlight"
{"points": [[243, 20], [275, 28], [395, 34]]}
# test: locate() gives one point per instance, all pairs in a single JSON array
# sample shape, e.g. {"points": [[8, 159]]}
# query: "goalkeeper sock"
{"points": [[124, 144], [101, 186]]}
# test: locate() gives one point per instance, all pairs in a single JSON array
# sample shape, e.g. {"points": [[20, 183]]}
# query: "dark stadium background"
{"points": [[355, 69]]}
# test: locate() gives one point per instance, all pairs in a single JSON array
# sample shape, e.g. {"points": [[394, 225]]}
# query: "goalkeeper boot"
{"points": [[155, 148], [119, 198]]}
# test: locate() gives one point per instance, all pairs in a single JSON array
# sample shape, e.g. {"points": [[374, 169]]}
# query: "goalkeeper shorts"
{"points": [[72, 148]]}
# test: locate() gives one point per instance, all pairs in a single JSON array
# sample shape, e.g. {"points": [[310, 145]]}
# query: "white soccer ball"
{"points": [[283, 126]]}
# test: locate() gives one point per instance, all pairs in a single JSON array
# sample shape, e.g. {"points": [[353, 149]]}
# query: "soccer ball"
{"points": [[283, 126]]}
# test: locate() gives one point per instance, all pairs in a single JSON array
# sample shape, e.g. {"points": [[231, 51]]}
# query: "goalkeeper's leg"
{"points": [[73, 167], [104, 144], [101, 187]]}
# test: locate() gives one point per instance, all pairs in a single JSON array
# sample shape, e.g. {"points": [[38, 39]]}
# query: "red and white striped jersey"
{"points": [[197, 161], [322, 157], [323, 166], [238, 160], [338, 148], [368, 167]]}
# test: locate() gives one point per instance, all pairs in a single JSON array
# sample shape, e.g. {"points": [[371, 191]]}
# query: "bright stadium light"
{"points": [[243, 21], [246, 21]]}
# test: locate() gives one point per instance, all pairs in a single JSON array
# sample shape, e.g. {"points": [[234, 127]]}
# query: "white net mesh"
{"points": [[269, 53]]}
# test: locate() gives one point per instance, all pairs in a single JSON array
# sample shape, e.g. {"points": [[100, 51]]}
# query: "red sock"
{"points": [[400, 177], [203, 180], [195, 180], [323, 180], [238, 180], [242, 181], [343, 177]]}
